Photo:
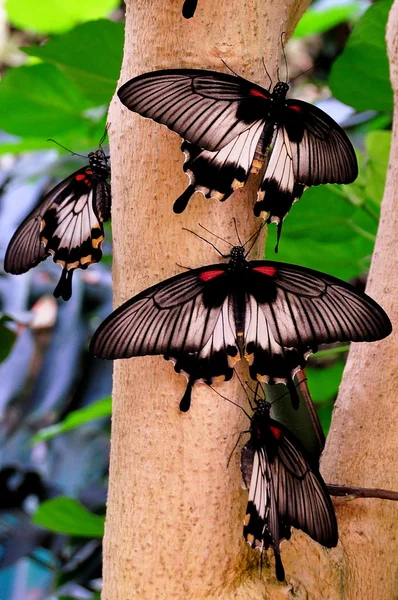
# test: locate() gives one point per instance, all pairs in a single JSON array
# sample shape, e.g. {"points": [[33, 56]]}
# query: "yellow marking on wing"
{"points": [[87, 259], [96, 242], [236, 184], [246, 520]]}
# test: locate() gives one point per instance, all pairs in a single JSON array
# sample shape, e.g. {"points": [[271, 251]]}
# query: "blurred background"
{"points": [[59, 70]]}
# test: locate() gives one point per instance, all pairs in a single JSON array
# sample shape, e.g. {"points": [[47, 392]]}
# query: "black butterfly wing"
{"points": [[280, 187], [262, 527], [309, 148], [219, 174], [305, 308], [284, 491], [67, 225], [301, 494], [188, 9], [322, 152], [25, 249], [206, 108], [177, 316]]}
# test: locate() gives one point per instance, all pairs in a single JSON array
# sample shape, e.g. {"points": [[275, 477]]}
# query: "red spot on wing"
{"points": [[89, 172], [295, 108], [87, 182], [208, 275], [80, 177], [276, 432], [258, 93], [270, 271]]}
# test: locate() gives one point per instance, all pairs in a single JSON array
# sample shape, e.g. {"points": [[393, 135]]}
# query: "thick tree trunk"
{"points": [[174, 520]]}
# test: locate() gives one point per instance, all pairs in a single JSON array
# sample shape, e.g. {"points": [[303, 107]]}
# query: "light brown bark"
{"points": [[175, 512]]}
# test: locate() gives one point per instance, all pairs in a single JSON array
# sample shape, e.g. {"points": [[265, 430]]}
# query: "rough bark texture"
{"points": [[174, 520]]}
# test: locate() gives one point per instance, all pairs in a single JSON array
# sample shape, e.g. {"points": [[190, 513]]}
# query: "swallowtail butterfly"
{"points": [[67, 224]]}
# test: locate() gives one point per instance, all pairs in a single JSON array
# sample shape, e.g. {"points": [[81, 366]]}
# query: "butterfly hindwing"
{"points": [[219, 174]]}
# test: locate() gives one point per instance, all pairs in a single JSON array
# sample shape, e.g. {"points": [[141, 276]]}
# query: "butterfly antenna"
{"points": [[102, 140], [244, 388], [284, 55], [67, 149], [267, 72], [215, 235], [255, 236], [228, 400], [230, 69], [207, 241], [306, 71], [236, 230]]}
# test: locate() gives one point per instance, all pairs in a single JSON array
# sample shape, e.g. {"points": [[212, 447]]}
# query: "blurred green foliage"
{"points": [[56, 16], [69, 517], [77, 418]]}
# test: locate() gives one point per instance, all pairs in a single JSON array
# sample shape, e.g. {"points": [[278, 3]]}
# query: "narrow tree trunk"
{"points": [[175, 512]]}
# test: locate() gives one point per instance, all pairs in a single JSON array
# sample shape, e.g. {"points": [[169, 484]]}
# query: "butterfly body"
{"points": [[231, 126], [271, 313], [67, 224], [285, 489]]}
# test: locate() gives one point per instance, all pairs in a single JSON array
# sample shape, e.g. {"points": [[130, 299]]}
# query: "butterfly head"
{"points": [[99, 162], [280, 90]]}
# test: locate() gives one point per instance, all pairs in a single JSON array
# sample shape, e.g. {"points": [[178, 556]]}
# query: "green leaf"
{"points": [[377, 145], [77, 418], [315, 21], [41, 102], [90, 55], [324, 382], [360, 75], [7, 337], [56, 16], [67, 516], [326, 231]]}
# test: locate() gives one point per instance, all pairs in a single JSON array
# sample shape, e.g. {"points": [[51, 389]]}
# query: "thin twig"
{"points": [[360, 492]]}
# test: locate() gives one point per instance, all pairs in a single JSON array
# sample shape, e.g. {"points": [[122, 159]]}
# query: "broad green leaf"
{"points": [[56, 16], [318, 20], [40, 101], [67, 516], [322, 232], [377, 145], [360, 75], [90, 55], [7, 338], [97, 410]]}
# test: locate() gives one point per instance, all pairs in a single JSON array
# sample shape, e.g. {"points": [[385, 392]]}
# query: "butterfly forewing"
{"points": [[174, 318], [203, 107]]}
